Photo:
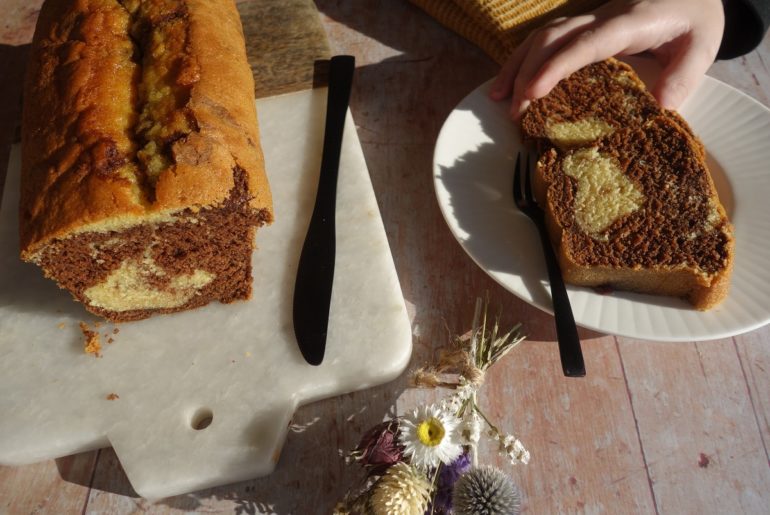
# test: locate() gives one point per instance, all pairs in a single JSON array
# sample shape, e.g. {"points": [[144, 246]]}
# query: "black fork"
{"points": [[566, 331]]}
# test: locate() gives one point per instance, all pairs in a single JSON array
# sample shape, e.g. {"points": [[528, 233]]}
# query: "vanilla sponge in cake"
{"points": [[638, 211], [143, 179], [592, 103]]}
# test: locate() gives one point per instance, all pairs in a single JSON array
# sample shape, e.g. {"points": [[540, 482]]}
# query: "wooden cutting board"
{"points": [[284, 42], [234, 369]]}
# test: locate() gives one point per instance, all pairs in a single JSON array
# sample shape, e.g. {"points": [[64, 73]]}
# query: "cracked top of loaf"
{"points": [[135, 110]]}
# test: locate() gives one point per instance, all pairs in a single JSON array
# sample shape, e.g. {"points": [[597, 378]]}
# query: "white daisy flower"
{"points": [[429, 436], [471, 428], [465, 391], [456, 400], [519, 453], [513, 449], [452, 404]]}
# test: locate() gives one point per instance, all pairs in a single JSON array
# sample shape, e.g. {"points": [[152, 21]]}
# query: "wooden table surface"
{"points": [[654, 428]]}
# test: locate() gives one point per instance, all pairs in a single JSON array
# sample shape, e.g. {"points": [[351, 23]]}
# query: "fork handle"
{"points": [[566, 331]]}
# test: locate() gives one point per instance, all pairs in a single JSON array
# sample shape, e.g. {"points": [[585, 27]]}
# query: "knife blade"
{"points": [[315, 272]]}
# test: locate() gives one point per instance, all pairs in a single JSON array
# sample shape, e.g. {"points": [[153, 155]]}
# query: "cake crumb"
{"points": [[703, 461], [110, 340], [113, 396], [604, 289], [115, 331], [61, 325], [92, 345]]}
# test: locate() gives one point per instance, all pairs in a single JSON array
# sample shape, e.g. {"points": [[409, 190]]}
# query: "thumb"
{"points": [[503, 84], [682, 75]]}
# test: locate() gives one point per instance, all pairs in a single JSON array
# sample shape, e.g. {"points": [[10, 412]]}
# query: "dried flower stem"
{"points": [[487, 347], [474, 447], [486, 419], [434, 486], [475, 329]]}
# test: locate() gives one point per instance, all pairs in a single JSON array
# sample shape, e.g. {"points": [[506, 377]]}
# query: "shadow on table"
{"points": [[398, 124], [22, 285], [310, 474], [13, 64], [391, 117]]}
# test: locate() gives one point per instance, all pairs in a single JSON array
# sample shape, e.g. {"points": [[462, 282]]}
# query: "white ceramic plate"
{"points": [[473, 174]]}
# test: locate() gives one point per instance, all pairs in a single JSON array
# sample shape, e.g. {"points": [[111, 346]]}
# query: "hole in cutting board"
{"points": [[202, 419]]}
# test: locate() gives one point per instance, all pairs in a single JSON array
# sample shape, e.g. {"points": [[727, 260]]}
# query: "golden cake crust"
{"points": [[84, 94]]}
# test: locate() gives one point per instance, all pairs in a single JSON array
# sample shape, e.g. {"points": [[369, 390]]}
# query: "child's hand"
{"points": [[684, 35]]}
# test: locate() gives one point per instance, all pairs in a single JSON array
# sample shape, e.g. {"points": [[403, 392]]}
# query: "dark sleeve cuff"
{"points": [[746, 22]]}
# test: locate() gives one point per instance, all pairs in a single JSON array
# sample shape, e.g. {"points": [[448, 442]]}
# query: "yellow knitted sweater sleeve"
{"points": [[497, 26]]}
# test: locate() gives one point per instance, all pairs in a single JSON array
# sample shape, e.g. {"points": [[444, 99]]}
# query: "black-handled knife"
{"points": [[315, 273]]}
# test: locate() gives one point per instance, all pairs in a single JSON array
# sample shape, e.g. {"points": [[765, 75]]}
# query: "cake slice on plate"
{"points": [[629, 200]]}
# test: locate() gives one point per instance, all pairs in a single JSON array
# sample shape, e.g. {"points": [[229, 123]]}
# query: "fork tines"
{"points": [[566, 331], [526, 200]]}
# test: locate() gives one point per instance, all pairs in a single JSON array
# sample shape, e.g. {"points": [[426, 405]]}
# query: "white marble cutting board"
{"points": [[238, 362]]}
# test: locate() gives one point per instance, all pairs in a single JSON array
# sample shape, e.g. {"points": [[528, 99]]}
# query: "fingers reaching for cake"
{"points": [[683, 35]]}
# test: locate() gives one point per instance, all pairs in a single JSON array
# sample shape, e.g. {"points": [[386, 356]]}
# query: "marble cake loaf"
{"points": [[628, 198], [143, 179]]}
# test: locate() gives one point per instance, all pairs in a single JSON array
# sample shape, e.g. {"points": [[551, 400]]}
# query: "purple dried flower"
{"points": [[448, 475], [379, 448]]}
